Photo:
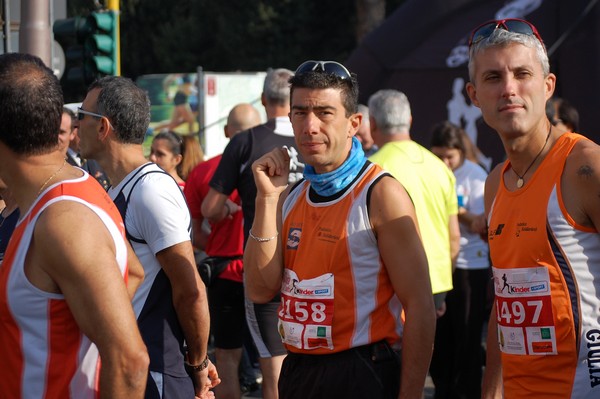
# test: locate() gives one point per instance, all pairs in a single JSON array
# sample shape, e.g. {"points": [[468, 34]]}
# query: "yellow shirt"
{"points": [[430, 184]]}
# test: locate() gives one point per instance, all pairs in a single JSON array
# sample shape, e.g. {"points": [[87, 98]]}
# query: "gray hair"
{"points": [[502, 38], [126, 106], [363, 109], [391, 111], [276, 87]]}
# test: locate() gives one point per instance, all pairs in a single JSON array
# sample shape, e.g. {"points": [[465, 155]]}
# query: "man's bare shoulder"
{"points": [[389, 200], [69, 234], [581, 180], [584, 160]]}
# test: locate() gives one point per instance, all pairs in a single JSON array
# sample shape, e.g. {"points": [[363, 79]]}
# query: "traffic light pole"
{"points": [[34, 32], [113, 5]]}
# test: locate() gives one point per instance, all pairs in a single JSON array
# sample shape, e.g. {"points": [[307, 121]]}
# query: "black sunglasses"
{"points": [[81, 113], [331, 67], [515, 25]]}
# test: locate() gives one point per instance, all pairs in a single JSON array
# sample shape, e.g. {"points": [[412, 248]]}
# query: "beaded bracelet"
{"points": [[198, 367], [262, 239]]}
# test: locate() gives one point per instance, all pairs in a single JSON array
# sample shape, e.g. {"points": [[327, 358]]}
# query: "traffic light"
{"points": [[90, 45], [71, 33], [101, 44]]}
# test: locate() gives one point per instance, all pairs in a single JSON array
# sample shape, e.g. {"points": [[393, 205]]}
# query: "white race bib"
{"points": [[306, 311], [524, 311]]}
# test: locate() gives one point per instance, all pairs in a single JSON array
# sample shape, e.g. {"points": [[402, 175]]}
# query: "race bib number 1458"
{"points": [[306, 311]]}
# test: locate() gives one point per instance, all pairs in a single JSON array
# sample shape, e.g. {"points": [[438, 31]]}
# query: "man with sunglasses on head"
{"points": [[170, 304], [543, 217], [342, 247]]}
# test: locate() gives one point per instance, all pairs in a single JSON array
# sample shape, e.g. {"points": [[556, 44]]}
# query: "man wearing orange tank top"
{"points": [[543, 217], [343, 249]]}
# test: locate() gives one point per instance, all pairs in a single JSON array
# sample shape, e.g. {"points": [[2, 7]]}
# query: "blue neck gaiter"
{"points": [[331, 183]]}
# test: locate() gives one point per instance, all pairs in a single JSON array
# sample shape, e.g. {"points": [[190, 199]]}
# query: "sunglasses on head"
{"points": [[515, 25], [331, 67]]}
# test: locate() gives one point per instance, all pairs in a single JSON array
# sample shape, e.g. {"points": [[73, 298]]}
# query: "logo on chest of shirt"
{"points": [[495, 232], [293, 238], [523, 228], [327, 234]]}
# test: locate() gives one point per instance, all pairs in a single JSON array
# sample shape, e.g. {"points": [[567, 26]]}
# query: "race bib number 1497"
{"points": [[524, 311]]}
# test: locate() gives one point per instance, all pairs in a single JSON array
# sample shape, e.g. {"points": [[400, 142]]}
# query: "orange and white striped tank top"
{"points": [[44, 353], [547, 286], [335, 293]]}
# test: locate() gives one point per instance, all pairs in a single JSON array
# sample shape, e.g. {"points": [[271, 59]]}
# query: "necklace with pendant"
{"points": [[520, 181]]}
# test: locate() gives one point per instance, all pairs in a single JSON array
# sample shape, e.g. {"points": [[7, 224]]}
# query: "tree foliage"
{"points": [[159, 36]]}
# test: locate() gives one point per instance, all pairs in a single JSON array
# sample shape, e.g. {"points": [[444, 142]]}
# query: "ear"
{"points": [[178, 159], [354, 123], [472, 92], [263, 99], [550, 85], [104, 128]]}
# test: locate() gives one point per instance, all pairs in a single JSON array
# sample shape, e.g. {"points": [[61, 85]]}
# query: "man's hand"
{"points": [[206, 380], [271, 172]]}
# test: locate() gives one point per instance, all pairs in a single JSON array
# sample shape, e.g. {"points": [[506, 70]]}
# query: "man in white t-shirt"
{"points": [[170, 305]]}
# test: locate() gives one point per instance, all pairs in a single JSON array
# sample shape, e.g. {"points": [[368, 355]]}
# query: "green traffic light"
{"points": [[103, 21], [100, 65], [90, 45], [99, 43]]}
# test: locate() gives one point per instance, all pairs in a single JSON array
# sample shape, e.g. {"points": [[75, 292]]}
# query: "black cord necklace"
{"points": [[520, 182]]}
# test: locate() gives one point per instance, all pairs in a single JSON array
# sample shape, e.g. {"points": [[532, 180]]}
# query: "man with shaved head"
{"points": [[241, 117]]}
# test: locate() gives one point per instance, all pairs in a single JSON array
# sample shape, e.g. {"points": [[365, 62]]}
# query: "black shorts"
{"points": [[370, 371], [180, 98], [262, 321], [227, 313]]}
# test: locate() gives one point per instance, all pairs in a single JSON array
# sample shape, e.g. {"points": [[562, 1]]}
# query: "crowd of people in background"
{"points": [[324, 245]]}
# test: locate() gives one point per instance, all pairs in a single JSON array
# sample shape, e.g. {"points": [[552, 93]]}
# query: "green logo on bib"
{"points": [[545, 333]]}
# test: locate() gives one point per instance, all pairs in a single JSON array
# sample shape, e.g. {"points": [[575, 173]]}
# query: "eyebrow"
{"points": [[512, 69], [316, 108]]}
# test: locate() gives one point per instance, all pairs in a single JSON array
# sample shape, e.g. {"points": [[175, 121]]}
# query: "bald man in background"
{"points": [[223, 240]]}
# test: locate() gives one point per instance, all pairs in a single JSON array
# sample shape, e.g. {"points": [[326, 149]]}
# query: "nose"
{"points": [[509, 87], [310, 124], [152, 157]]}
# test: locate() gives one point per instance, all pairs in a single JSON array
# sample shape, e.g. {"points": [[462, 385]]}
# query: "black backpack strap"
{"points": [[122, 200]]}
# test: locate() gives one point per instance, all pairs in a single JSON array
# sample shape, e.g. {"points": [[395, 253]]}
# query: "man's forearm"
{"points": [[417, 347], [492, 379], [263, 263], [193, 315], [126, 378]]}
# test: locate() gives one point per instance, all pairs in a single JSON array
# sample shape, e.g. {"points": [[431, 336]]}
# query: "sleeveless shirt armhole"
{"points": [[370, 189]]}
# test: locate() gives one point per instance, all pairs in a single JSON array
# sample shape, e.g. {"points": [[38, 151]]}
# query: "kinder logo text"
{"points": [[534, 287]]}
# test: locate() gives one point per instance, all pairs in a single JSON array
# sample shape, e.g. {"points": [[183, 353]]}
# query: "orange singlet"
{"points": [[547, 286], [335, 293]]}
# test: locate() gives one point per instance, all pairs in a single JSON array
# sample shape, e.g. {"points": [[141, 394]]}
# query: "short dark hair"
{"points": [[174, 140], [126, 106], [447, 134], [32, 102], [324, 80]]}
